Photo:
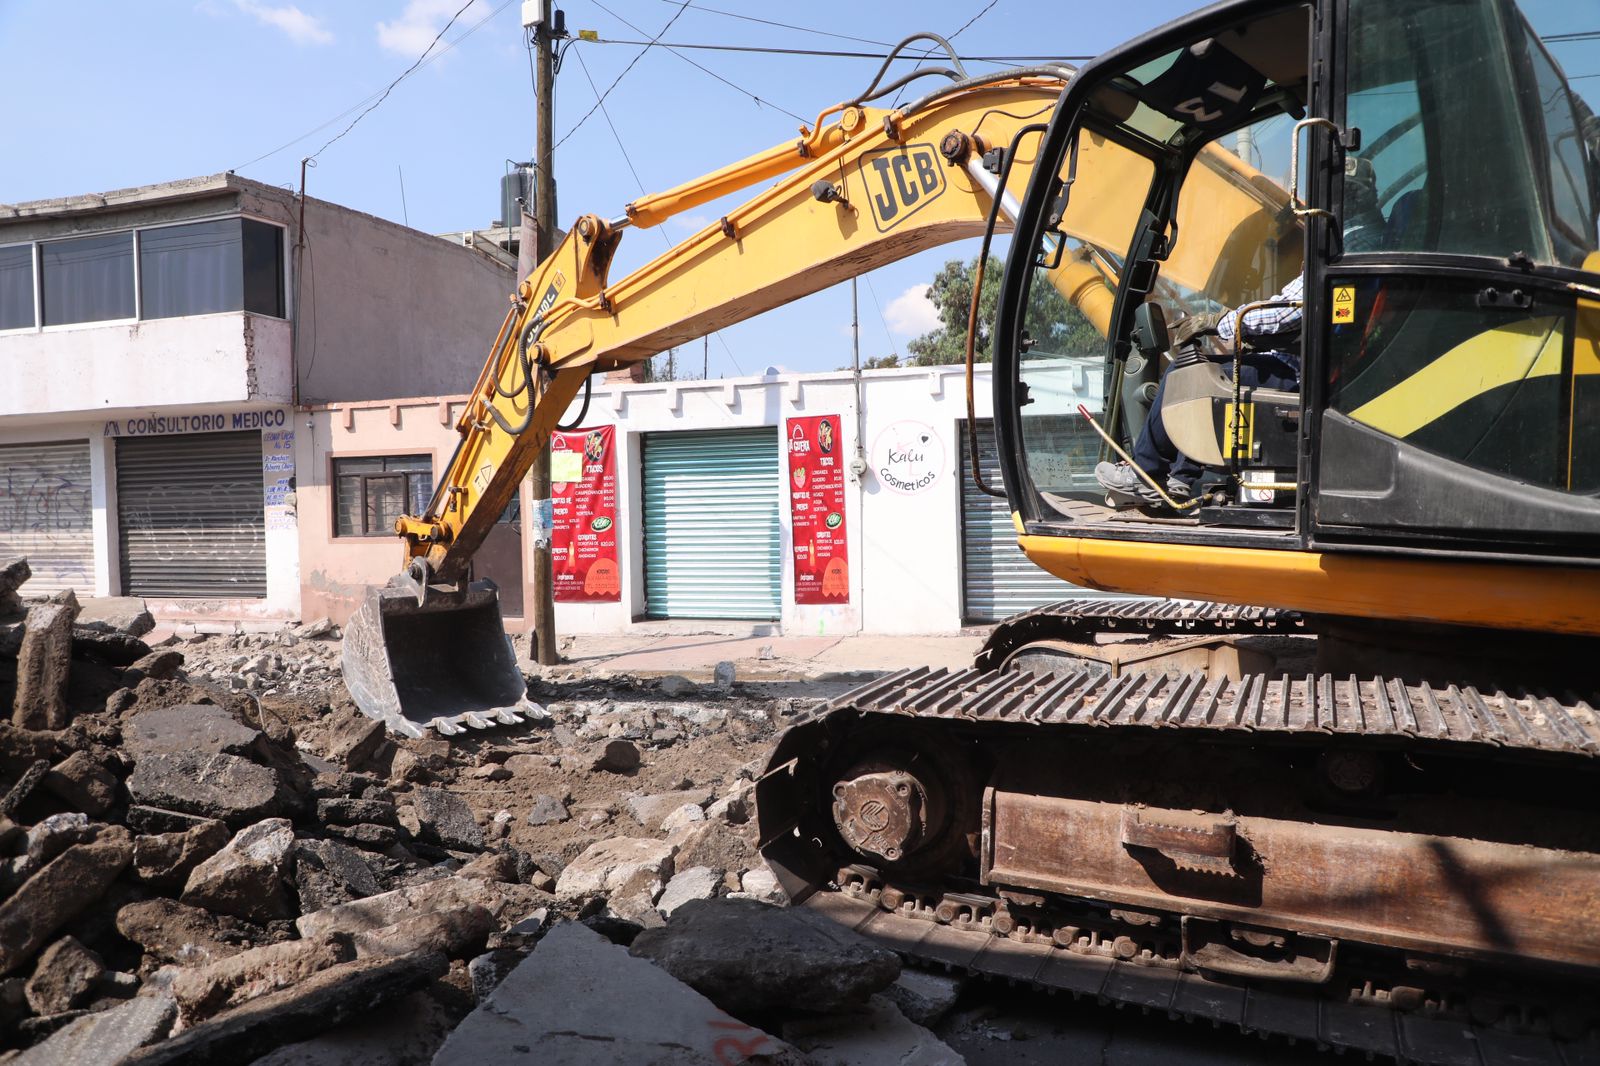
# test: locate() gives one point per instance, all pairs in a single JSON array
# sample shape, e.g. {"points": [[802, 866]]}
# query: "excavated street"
{"points": [[207, 854]]}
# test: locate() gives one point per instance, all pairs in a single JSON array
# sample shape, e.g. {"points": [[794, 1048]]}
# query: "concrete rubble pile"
{"points": [[192, 872]]}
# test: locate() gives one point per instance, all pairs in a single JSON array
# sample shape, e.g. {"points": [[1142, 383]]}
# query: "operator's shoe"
{"points": [[1128, 489]]}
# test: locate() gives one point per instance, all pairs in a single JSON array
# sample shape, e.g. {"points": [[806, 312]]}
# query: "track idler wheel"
{"points": [[905, 801], [885, 814]]}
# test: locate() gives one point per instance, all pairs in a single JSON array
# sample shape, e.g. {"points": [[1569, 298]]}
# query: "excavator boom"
{"points": [[862, 188]]}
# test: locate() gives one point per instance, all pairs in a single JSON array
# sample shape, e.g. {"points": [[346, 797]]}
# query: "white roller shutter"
{"points": [[191, 517], [47, 514], [998, 581], [711, 534]]}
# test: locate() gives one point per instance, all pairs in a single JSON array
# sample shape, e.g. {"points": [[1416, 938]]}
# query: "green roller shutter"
{"points": [[191, 515], [997, 580], [711, 538]]}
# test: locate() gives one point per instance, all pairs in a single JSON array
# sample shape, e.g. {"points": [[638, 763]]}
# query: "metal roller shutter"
{"points": [[47, 514], [191, 516], [998, 581], [711, 535]]}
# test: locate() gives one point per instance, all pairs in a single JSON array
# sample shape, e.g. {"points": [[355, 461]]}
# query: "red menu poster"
{"points": [[583, 541], [816, 509]]}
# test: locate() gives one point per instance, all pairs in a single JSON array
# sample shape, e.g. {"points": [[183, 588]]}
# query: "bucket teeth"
{"points": [[445, 664]]}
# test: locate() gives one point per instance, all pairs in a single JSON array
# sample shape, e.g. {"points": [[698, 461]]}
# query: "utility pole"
{"points": [[536, 16]]}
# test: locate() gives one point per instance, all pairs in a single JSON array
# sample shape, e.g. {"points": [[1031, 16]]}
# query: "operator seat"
{"points": [[1194, 408]]}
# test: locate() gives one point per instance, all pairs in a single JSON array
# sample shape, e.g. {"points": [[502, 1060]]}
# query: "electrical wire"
{"points": [[631, 64], [833, 53], [985, 10], [404, 75], [618, 137], [782, 25], [474, 28], [737, 88], [888, 336], [628, 159]]}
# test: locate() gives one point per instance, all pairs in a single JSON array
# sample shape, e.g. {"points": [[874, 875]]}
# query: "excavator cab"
{"points": [[1410, 189]]}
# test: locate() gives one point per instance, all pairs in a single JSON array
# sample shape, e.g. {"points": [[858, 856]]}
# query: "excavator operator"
{"points": [[1271, 357]]}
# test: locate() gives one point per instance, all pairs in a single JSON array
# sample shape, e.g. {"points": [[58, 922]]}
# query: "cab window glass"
{"points": [[1236, 240], [1570, 186], [1425, 360], [1473, 122], [1070, 295]]}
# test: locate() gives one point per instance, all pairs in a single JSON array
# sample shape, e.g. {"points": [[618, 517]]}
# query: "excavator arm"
{"points": [[861, 188], [854, 193]]}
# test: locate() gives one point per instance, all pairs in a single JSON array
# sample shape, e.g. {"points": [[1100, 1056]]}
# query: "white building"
{"points": [[707, 524]]}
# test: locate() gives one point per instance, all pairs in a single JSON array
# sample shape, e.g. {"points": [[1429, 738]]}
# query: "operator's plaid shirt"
{"points": [[1266, 322]]}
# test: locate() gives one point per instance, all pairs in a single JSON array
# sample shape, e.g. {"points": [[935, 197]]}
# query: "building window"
{"points": [[190, 270], [371, 492], [231, 264], [263, 268], [16, 287], [88, 279]]}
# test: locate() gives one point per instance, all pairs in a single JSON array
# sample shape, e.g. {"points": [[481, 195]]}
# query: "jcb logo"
{"points": [[900, 181]]}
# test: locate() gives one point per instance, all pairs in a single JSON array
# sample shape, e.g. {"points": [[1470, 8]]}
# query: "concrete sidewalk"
{"points": [[763, 658]]}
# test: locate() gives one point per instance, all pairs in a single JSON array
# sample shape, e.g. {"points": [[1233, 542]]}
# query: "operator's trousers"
{"points": [[1158, 456]]}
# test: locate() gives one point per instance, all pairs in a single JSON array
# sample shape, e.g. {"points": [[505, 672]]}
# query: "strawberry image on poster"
{"points": [[583, 543], [816, 510]]}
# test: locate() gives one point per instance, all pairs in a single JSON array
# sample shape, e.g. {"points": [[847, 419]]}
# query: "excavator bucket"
{"points": [[444, 662]]}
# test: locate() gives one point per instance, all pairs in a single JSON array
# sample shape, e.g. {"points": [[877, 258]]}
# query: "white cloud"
{"points": [[911, 314], [420, 22], [692, 223], [300, 27]]}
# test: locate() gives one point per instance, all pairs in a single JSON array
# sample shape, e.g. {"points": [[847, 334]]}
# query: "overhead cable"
{"points": [[631, 63], [833, 53], [628, 159], [403, 76], [706, 70], [781, 25], [470, 30]]}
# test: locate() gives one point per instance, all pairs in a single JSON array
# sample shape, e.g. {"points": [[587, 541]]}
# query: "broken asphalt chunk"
{"points": [[665, 1021]]}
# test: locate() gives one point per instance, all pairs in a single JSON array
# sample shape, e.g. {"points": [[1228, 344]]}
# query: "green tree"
{"points": [[1055, 325], [878, 362]]}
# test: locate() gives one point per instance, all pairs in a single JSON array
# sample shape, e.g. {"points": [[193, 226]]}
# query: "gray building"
{"points": [[159, 345]]}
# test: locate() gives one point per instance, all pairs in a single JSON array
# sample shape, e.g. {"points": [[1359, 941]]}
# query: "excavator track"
{"points": [[1051, 783], [1084, 619]]}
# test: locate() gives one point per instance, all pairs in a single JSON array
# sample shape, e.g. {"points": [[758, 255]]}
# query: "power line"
{"points": [[889, 336], [783, 25], [623, 148], [631, 63], [835, 53], [385, 94], [986, 8], [474, 28], [607, 116], [697, 66]]}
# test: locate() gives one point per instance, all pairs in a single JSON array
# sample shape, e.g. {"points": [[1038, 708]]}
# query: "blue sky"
{"points": [[110, 94]]}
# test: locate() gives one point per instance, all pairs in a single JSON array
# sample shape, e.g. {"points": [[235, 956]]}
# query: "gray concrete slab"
{"points": [[580, 1000], [878, 1036]]}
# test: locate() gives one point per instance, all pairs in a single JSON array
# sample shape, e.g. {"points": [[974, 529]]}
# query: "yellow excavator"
{"points": [[1340, 783]]}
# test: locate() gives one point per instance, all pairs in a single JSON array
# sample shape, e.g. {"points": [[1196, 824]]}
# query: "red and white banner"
{"points": [[816, 510], [583, 547]]}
